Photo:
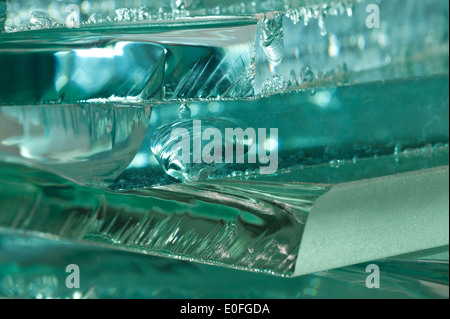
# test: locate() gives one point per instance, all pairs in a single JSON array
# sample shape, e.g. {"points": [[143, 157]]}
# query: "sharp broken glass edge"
{"points": [[224, 59], [30, 267], [351, 88], [122, 147], [214, 71], [28, 15], [244, 225], [238, 224]]}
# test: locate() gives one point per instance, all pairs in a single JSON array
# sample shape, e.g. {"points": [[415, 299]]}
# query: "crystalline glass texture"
{"points": [[345, 116]]}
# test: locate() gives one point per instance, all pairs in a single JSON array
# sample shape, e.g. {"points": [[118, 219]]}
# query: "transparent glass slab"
{"points": [[256, 227], [344, 120], [33, 267], [253, 226], [25, 15], [346, 85], [127, 147]]}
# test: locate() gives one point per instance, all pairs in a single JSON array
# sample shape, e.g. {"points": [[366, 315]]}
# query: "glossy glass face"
{"points": [[213, 132]]}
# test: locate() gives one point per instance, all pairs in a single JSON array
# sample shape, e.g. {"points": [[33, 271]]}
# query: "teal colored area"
{"points": [[250, 226], [33, 267], [355, 120], [381, 127]]}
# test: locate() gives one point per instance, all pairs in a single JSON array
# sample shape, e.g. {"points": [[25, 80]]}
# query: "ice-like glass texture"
{"points": [[91, 93]]}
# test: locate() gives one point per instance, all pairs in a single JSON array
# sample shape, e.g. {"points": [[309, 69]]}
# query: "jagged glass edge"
{"points": [[34, 267]]}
